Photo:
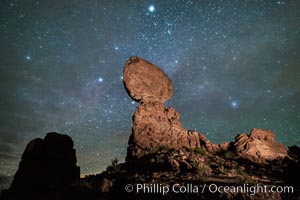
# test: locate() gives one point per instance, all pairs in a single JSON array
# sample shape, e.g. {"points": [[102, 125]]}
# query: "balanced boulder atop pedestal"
{"points": [[154, 125], [146, 82]]}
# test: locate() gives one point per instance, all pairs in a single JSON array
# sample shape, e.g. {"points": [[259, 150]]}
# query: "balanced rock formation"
{"points": [[154, 125], [47, 165], [259, 146]]}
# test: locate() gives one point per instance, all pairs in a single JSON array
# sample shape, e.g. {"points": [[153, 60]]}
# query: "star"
{"points": [[234, 104], [28, 58], [151, 8], [280, 2], [100, 79]]}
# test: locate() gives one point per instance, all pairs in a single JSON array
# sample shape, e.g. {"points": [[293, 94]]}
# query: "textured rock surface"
{"points": [[47, 165], [145, 81], [259, 146], [155, 126]]}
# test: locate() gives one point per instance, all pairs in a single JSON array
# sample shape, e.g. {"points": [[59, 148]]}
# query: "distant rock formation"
{"points": [[47, 166], [259, 146], [155, 126]]}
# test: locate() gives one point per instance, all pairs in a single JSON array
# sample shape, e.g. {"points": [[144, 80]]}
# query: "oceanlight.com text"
{"points": [[164, 189]]}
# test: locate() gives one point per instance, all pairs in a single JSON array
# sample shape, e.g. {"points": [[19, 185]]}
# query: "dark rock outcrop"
{"points": [[47, 166]]}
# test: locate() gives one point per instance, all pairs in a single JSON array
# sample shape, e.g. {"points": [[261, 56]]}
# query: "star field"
{"points": [[235, 65]]}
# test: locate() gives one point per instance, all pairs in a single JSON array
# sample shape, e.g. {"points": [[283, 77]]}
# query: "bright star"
{"points": [[234, 104], [100, 80], [151, 8], [28, 58]]}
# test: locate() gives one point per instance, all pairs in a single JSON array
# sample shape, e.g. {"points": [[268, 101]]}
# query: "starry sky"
{"points": [[235, 65]]}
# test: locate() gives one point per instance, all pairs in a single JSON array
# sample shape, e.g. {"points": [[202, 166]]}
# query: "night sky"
{"points": [[235, 65]]}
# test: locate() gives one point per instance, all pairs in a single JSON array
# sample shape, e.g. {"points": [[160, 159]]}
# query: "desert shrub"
{"points": [[114, 167], [244, 177], [221, 169], [114, 162], [188, 149], [204, 170], [229, 155], [86, 184], [166, 149], [200, 150], [153, 150]]}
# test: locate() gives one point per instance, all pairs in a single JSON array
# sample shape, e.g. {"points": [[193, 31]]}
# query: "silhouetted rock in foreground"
{"points": [[47, 166]]}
